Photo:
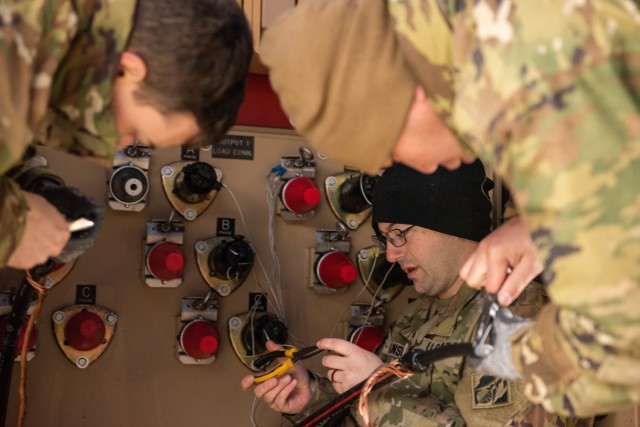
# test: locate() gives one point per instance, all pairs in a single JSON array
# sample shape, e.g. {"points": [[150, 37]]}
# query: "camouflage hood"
{"points": [[80, 117], [58, 61], [425, 36], [335, 85], [351, 89], [63, 57]]}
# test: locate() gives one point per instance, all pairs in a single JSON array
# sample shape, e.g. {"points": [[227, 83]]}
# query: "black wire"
{"points": [[415, 360]]}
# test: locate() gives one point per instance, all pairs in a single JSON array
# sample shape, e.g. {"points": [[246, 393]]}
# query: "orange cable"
{"points": [[395, 368], [25, 347]]}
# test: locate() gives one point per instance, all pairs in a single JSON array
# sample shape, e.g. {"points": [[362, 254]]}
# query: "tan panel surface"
{"points": [[139, 380]]}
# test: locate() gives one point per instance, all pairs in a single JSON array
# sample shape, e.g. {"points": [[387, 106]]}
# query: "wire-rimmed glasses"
{"points": [[395, 236]]}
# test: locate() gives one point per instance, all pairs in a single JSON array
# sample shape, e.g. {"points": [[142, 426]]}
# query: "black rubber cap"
{"points": [[200, 178]]}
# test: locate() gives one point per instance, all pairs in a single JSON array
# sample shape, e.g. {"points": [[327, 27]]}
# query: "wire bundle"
{"points": [[25, 346], [396, 368]]}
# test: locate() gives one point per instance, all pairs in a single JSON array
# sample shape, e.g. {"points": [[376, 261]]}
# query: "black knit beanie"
{"points": [[451, 202]]}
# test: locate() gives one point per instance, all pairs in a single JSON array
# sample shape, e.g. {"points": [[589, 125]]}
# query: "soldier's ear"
{"points": [[132, 67]]}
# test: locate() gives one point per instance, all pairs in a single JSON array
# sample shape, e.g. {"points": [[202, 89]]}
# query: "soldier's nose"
{"points": [[393, 254]]}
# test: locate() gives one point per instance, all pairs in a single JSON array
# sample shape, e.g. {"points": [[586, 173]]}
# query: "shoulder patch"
{"points": [[489, 391]]}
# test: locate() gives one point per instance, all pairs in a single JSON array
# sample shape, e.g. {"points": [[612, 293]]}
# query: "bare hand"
{"points": [[350, 365], [288, 393], [504, 262], [45, 234]]}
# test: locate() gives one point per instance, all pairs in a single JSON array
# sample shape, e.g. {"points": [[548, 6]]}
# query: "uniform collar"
{"points": [[443, 315]]}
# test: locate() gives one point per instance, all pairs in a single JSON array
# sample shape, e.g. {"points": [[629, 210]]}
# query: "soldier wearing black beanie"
{"points": [[449, 212], [453, 202]]}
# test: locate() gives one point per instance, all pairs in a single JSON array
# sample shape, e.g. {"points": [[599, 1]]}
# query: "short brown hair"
{"points": [[197, 54]]}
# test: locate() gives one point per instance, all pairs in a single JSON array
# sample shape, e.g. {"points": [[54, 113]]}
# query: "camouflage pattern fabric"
{"points": [[448, 394], [548, 94], [11, 217], [57, 63]]}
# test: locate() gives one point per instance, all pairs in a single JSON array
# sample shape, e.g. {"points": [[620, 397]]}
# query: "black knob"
{"points": [[355, 193], [256, 333], [231, 259], [128, 184], [195, 181], [200, 178]]}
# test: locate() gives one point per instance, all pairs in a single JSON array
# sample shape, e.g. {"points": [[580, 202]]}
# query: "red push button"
{"points": [[300, 195], [199, 339], [368, 337], [336, 270], [165, 261], [33, 338], [84, 331]]}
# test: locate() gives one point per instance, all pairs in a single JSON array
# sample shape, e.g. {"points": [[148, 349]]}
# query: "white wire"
{"points": [[366, 283], [171, 215], [271, 186], [251, 314], [254, 409], [266, 291], [278, 306], [375, 304]]}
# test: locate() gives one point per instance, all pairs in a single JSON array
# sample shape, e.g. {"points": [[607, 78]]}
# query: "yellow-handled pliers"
{"points": [[292, 354]]}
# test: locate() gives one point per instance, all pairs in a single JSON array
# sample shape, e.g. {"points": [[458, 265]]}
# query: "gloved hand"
{"points": [[498, 363], [73, 205]]}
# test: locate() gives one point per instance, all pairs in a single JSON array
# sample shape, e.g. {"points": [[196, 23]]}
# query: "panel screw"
{"points": [[58, 317], [111, 318], [235, 323], [201, 246], [166, 171], [190, 214], [82, 362]]}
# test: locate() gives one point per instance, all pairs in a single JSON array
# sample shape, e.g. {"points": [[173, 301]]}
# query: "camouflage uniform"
{"points": [[57, 63], [448, 394], [548, 94]]}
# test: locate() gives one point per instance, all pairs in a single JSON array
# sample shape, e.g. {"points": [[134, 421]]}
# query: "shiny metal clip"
{"points": [[481, 343]]}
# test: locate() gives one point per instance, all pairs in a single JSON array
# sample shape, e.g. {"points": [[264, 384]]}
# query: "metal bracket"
{"points": [[195, 308], [334, 185], [303, 165], [328, 240], [58, 273], [368, 259], [236, 325], [161, 231], [364, 314], [189, 211], [83, 359], [223, 286], [130, 195]]}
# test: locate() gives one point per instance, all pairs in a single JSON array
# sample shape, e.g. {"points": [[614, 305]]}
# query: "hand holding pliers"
{"points": [[292, 356]]}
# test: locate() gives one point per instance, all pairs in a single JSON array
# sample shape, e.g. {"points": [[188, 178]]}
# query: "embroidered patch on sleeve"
{"points": [[489, 391]]}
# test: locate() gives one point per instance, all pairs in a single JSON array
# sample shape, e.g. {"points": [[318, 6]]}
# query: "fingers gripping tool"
{"points": [[292, 356]]}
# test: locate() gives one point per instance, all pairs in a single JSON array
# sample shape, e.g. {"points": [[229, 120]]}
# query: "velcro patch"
{"points": [[489, 391]]}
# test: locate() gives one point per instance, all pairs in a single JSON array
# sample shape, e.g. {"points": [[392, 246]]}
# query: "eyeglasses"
{"points": [[395, 236]]}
